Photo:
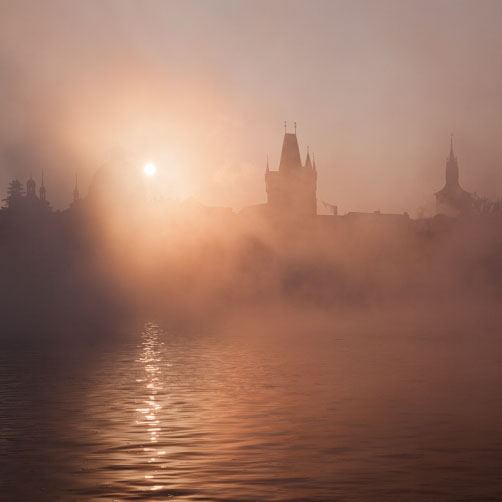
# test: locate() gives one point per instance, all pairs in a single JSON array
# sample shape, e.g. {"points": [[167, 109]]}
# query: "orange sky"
{"points": [[202, 88]]}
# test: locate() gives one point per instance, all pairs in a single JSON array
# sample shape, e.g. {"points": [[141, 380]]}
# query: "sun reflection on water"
{"points": [[151, 359]]}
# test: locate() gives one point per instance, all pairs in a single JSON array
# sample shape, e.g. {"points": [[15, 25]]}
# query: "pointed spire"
{"points": [[76, 193], [268, 169], [42, 191], [452, 173]]}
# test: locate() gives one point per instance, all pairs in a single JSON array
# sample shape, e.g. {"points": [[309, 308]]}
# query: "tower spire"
{"points": [[76, 194], [268, 169], [451, 167]]}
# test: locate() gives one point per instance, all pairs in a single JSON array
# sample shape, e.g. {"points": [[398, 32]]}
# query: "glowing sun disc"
{"points": [[150, 169]]}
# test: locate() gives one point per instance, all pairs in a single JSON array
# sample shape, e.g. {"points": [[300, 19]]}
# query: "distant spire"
{"points": [[268, 169], [76, 194], [452, 155]]}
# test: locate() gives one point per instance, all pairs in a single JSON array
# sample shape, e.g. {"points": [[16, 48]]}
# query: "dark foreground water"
{"points": [[315, 415]]}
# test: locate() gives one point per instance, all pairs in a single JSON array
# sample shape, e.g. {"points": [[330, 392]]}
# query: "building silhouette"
{"points": [[20, 202], [291, 191], [452, 199]]}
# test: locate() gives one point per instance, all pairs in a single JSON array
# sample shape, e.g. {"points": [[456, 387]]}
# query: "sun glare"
{"points": [[150, 169]]}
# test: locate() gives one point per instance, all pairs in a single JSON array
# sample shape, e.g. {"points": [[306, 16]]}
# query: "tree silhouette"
{"points": [[14, 194]]}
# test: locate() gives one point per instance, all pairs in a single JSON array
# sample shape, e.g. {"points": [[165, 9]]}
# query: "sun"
{"points": [[150, 169]]}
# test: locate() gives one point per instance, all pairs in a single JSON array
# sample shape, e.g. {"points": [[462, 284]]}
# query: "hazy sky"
{"points": [[202, 89]]}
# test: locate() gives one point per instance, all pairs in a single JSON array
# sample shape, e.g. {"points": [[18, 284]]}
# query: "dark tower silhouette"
{"points": [[291, 191], [31, 187], [42, 192], [452, 199]]}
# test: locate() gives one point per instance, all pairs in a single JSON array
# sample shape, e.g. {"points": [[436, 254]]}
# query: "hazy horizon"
{"points": [[202, 89]]}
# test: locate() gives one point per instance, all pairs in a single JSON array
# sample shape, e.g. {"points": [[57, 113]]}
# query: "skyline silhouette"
{"points": [[292, 188]]}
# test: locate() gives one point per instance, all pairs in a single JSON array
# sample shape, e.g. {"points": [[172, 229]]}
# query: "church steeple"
{"points": [[452, 174], [452, 199]]}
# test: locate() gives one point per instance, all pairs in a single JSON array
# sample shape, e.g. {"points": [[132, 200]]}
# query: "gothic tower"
{"points": [[291, 191]]}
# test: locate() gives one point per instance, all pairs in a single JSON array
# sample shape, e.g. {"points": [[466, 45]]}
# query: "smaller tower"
{"points": [[308, 164], [42, 189]]}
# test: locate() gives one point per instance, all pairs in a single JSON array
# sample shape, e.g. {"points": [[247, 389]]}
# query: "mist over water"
{"points": [[180, 352]]}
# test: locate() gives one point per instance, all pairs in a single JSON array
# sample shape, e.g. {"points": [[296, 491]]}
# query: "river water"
{"points": [[191, 414]]}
